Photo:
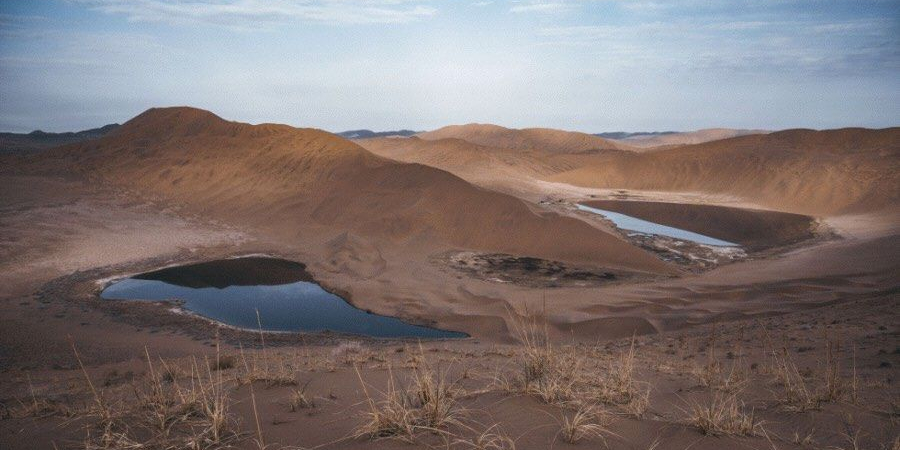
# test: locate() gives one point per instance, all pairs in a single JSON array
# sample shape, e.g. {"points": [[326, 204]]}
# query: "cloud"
{"points": [[541, 7], [821, 48], [249, 14]]}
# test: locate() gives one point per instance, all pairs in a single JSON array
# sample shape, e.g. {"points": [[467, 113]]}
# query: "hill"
{"points": [[491, 167], [303, 182], [546, 139], [804, 171], [39, 140], [664, 139]]}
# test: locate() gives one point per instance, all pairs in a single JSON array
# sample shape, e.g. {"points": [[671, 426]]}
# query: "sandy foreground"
{"points": [[794, 349]]}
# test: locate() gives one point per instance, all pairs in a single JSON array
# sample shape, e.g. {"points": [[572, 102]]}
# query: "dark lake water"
{"points": [[231, 291]]}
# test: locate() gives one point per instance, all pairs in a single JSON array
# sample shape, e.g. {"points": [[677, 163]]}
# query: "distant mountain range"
{"points": [[39, 140], [366, 134]]}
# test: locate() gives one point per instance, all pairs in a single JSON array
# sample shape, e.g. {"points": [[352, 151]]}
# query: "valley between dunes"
{"points": [[379, 221]]}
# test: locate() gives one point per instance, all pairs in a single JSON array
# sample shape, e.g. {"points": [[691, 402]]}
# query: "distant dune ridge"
{"points": [[546, 139], [805, 171], [490, 167], [670, 138], [295, 181]]}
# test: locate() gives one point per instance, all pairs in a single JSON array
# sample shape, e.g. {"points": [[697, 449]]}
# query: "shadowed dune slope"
{"points": [[292, 181], [811, 172], [556, 141]]}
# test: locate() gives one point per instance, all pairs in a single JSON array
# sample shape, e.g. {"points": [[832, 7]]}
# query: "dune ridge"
{"points": [[686, 138], [546, 139], [294, 180], [827, 172]]}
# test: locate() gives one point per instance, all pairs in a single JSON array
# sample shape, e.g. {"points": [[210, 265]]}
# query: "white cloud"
{"points": [[541, 7], [246, 14]]}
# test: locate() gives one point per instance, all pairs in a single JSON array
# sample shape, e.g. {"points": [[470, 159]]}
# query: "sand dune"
{"points": [[804, 171], [291, 181], [479, 164], [495, 168], [686, 138], [546, 139]]}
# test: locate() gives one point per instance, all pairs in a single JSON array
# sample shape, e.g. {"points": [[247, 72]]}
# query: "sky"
{"points": [[587, 65]]}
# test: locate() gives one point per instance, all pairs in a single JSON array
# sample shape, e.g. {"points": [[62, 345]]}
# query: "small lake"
{"points": [[231, 291], [630, 223]]}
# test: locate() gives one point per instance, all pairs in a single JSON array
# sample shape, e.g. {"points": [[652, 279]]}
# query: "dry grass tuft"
{"points": [[393, 416], [427, 403], [188, 410], [618, 386], [585, 423], [808, 390], [300, 400], [724, 415]]}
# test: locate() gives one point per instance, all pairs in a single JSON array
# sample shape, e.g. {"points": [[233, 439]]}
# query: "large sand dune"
{"points": [[292, 181], [546, 139], [685, 138], [804, 171]]}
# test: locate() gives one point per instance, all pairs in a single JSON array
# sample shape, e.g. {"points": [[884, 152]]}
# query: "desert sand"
{"points": [[657, 142], [795, 345]]}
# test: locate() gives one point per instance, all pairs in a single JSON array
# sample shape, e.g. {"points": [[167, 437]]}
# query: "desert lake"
{"points": [[629, 223], [232, 291]]}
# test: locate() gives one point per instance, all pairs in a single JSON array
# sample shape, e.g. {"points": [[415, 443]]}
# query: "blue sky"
{"points": [[590, 65]]}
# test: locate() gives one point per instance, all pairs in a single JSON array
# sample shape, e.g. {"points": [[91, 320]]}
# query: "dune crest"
{"points": [[547, 139], [686, 138], [804, 171], [297, 181]]}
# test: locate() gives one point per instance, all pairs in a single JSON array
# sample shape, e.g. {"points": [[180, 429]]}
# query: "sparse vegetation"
{"points": [[424, 399], [585, 423], [724, 414], [808, 391], [426, 403]]}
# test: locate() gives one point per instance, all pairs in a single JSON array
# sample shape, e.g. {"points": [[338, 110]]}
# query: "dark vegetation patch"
{"points": [[526, 270]]}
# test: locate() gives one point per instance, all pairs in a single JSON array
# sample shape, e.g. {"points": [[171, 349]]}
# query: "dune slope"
{"points": [[686, 138], [297, 181], [557, 141], [804, 171]]}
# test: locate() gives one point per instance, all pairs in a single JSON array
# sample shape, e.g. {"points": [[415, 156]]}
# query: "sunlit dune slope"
{"points": [[493, 167], [686, 138], [545, 139], [293, 181], [812, 172]]}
